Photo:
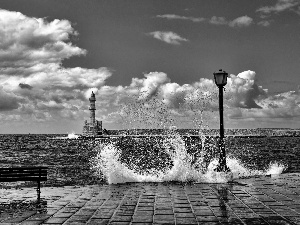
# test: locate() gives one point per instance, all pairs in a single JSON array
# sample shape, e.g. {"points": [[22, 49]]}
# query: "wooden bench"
{"points": [[24, 174]]}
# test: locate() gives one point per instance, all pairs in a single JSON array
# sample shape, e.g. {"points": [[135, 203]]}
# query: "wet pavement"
{"points": [[260, 200]]}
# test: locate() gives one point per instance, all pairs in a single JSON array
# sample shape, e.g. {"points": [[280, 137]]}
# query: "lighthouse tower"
{"points": [[94, 127], [92, 108]]}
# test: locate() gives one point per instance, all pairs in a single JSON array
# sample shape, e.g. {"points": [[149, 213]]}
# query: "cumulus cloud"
{"points": [[155, 98], [256, 104], [66, 78], [89, 92], [280, 6], [9, 101], [281, 107], [26, 41], [148, 98], [34, 84], [154, 101], [284, 105], [150, 85], [35, 87], [244, 90], [252, 102], [168, 37], [158, 85]]}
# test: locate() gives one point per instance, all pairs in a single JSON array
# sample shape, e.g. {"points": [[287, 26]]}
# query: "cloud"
{"points": [[155, 98], [184, 105], [31, 55], [26, 41], [256, 104], [244, 91], [281, 107], [150, 85], [89, 92], [168, 37], [155, 101], [218, 20], [8, 100], [264, 23], [243, 21], [35, 87], [280, 6], [177, 17], [25, 86]]}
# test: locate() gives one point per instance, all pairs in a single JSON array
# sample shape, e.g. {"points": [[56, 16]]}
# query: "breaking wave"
{"points": [[182, 167]]}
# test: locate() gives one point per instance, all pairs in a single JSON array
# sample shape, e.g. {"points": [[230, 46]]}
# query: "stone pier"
{"points": [[260, 200]]}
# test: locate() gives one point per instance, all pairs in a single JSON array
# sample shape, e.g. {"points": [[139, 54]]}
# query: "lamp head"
{"points": [[220, 78]]}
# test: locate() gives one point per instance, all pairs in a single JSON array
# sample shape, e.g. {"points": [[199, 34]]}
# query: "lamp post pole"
{"points": [[221, 80], [222, 167]]}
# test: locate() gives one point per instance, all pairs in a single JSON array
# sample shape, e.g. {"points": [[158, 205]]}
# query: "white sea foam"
{"points": [[72, 136], [107, 164], [275, 169]]}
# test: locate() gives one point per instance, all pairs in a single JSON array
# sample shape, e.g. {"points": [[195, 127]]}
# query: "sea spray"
{"points": [[275, 168], [72, 136], [182, 170], [108, 164]]}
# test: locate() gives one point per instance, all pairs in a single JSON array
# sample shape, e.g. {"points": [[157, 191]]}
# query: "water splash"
{"points": [[72, 136], [109, 166], [275, 169], [133, 162]]}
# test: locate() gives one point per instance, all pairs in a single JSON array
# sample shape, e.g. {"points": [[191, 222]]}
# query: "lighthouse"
{"points": [[92, 108], [94, 127]]}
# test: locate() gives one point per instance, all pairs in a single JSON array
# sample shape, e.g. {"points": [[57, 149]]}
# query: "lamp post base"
{"points": [[222, 177]]}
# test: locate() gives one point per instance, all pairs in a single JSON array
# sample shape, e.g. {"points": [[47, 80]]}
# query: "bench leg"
{"points": [[39, 191]]}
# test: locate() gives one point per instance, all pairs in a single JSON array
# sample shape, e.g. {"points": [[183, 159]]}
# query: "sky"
{"points": [[150, 63]]}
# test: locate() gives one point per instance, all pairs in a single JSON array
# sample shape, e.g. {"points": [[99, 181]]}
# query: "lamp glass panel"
{"points": [[224, 79], [219, 78]]}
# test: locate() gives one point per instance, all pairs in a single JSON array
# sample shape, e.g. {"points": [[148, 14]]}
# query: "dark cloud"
{"points": [[252, 95], [25, 86], [8, 101]]}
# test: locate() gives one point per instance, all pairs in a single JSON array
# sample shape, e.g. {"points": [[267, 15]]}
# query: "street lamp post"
{"points": [[221, 80]]}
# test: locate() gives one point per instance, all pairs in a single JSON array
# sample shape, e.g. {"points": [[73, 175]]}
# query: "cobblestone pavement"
{"points": [[260, 200]]}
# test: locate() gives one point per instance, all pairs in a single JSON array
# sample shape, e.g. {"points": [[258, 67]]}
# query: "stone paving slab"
{"points": [[259, 200]]}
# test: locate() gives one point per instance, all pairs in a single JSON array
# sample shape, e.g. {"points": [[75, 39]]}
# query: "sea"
{"points": [[165, 155]]}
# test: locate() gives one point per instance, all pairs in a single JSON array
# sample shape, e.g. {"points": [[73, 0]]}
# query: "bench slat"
{"points": [[13, 179], [29, 167], [23, 174], [22, 169], [9, 171]]}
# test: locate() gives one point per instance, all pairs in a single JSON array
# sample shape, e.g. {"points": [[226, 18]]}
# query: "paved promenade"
{"points": [[260, 200]]}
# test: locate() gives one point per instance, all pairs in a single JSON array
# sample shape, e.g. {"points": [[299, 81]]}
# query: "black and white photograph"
{"points": [[137, 112]]}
